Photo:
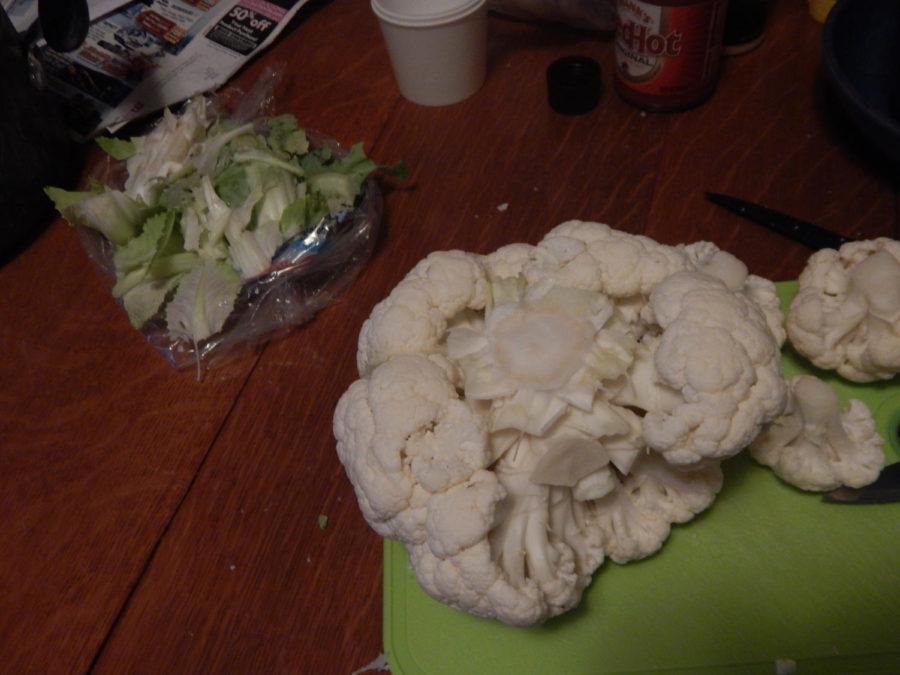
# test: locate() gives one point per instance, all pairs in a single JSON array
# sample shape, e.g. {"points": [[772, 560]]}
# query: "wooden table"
{"points": [[151, 523]]}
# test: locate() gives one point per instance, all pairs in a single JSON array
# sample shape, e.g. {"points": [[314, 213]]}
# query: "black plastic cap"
{"points": [[574, 85]]}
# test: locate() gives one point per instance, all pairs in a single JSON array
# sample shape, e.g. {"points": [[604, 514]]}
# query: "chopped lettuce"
{"points": [[207, 202], [114, 214], [203, 301], [117, 148], [303, 214], [140, 251], [143, 301], [165, 152], [150, 266], [285, 137]]}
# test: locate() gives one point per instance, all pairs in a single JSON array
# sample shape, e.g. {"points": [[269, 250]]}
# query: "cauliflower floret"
{"points": [[415, 454], [414, 317], [637, 516], [817, 446], [846, 314], [471, 581], [710, 259], [403, 434], [715, 350], [596, 257]]}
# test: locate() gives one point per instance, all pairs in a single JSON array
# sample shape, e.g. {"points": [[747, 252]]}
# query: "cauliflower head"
{"points": [[523, 415], [846, 314], [817, 446]]}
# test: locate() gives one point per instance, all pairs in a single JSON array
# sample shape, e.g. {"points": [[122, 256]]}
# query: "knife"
{"points": [[885, 489], [799, 230]]}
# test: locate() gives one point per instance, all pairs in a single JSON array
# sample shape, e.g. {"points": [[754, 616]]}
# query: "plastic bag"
{"points": [[597, 15], [308, 272]]}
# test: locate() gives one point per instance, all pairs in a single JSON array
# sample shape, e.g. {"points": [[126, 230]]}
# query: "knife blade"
{"points": [[885, 489], [801, 231]]}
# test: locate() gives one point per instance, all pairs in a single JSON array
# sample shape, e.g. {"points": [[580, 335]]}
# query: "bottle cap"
{"points": [[573, 85]]}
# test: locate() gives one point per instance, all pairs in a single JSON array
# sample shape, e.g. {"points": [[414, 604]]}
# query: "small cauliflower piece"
{"points": [[817, 446], [846, 314]]}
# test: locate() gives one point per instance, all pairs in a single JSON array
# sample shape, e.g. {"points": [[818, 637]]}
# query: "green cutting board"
{"points": [[768, 572]]}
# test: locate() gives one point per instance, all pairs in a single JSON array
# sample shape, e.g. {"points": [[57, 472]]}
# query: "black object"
{"points": [[884, 490], [64, 23], [861, 55], [35, 147], [799, 230], [744, 24], [574, 85]]}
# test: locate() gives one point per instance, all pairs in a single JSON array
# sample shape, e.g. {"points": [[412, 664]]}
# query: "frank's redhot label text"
{"points": [[668, 52]]}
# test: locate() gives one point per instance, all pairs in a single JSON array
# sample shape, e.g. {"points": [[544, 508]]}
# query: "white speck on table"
{"points": [[503, 207]]}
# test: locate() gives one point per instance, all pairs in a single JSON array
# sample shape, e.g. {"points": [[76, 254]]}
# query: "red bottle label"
{"points": [[668, 51]]}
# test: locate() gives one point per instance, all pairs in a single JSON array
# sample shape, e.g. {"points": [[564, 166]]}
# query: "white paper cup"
{"points": [[438, 48]]}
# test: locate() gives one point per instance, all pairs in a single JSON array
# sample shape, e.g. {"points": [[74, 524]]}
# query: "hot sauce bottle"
{"points": [[668, 51]]}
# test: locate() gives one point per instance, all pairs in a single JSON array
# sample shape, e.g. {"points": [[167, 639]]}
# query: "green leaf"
{"points": [[156, 254], [208, 157], [317, 160], [117, 148], [397, 170], [338, 189], [64, 200], [303, 214], [177, 263], [222, 125], [144, 300], [179, 194], [297, 143], [293, 218], [114, 214], [139, 252], [233, 185], [285, 137], [271, 160], [203, 301], [341, 179], [323, 521]]}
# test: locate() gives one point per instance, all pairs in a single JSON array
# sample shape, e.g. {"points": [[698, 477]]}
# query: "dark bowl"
{"points": [[861, 55]]}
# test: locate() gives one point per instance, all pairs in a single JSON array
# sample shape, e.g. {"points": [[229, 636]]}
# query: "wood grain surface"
{"points": [[151, 523]]}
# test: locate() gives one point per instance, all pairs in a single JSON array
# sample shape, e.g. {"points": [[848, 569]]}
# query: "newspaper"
{"points": [[147, 55]]}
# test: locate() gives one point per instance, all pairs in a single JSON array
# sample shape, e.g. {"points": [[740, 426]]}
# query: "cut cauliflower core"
{"points": [[535, 356], [523, 415]]}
